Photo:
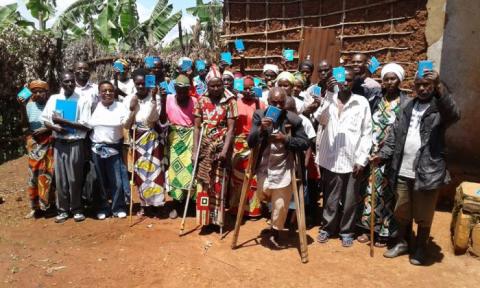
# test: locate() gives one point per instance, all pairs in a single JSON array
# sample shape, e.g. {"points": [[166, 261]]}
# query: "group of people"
{"points": [[196, 140]]}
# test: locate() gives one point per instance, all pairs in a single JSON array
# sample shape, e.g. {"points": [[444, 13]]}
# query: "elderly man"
{"points": [[277, 140], [69, 148], [342, 154], [416, 149]]}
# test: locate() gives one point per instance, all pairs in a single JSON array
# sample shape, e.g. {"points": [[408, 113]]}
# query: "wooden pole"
{"points": [[372, 181], [132, 184]]}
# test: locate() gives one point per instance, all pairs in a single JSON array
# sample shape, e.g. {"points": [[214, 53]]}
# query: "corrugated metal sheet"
{"points": [[320, 44]]}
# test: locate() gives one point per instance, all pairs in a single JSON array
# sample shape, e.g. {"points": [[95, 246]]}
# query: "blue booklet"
{"points": [[186, 65], [317, 91], [118, 66], [374, 64], [24, 94], [339, 74], [166, 87], [239, 46], [288, 54], [424, 65], [67, 110], [200, 65], [149, 62], [238, 84], [227, 57], [273, 113], [150, 81], [258, 92], [257, 81]]}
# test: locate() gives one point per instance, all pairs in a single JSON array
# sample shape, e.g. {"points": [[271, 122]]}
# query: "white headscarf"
{"points": [[228, 73], [394, 68], [270, 67]]}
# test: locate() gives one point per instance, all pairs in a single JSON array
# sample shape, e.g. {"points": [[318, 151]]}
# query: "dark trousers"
{"points": [[413, 204], [109, 171], [68, 162], [341, 197]]}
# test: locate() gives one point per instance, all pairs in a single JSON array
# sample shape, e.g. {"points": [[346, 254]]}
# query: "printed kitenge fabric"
{"points": [[150, 165], [210, 176], [40, 170], [180, 146], [241, 154], [382, 120]]}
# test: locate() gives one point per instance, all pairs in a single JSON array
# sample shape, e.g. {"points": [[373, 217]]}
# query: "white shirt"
{"points": [[274, 169], [83, 114], [346, 139], [413, 141], [107, 123], [90, 90], [146, 113], [299, 104], [127, 87], [308, 127]]}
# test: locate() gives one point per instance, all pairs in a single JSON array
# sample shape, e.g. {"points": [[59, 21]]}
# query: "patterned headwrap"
{"points": [[285, 76], [300, 77], [228, 73], [182, 81], [213, 73], [38, 84], [124, 62]]}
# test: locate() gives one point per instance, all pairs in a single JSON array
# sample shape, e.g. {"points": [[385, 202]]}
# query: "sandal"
{"points": [[323, 237], [347, 241], [364, 238]]}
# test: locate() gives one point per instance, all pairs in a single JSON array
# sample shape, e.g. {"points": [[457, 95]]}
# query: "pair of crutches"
{"points": [[190, 187], [299, 201]]}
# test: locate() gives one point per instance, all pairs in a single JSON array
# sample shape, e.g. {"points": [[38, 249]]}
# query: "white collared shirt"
{"points": [[347, 138], [107, 123], [146, 114], [83, 114], [90, 90]]}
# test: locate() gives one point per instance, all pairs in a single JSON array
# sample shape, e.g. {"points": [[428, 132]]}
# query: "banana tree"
{"points": [[42, 10], [209, 17], [9, 15]]}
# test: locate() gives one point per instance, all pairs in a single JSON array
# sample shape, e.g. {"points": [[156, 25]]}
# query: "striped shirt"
{"points": [[347, 138], [34, 113]]}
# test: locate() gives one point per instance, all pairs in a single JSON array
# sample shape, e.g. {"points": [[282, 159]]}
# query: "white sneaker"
{"points": [[78, 217], [121, 214], [62, 217], [101, 216]]}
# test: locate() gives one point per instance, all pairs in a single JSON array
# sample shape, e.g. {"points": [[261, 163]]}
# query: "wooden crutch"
{"points": [[299, 202], [372, 181], [222, 201], [195, 164], [132, 184], [252, 159]]}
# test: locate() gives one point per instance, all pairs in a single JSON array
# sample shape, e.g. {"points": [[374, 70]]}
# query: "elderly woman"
{"points": [[247, 105], [107, 138], [149, 162], [39, 148], [216, 112], [384, 114], [180, 141]]}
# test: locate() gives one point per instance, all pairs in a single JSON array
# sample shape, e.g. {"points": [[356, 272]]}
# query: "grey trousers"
{"points": [[68, 162], [341, 197], [414, 205]]}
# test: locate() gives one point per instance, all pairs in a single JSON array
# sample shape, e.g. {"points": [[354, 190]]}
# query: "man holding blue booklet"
{"points": [[279, 133], [66, 113]]}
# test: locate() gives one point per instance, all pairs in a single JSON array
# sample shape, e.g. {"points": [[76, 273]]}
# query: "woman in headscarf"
{"points": [[40, 150], [247, 104], [270, 72], [306, 68], [298, 91], [216, 112], [384, 114], [179, 109], [227, 79], [149, 161]]}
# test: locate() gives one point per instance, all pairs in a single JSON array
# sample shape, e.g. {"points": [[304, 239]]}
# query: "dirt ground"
{"points": [[40, 253]]}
